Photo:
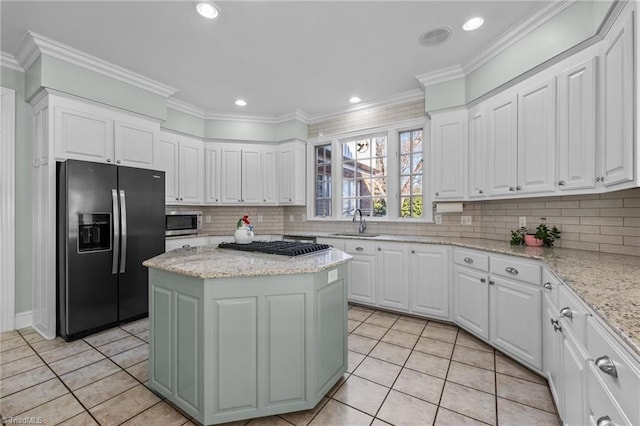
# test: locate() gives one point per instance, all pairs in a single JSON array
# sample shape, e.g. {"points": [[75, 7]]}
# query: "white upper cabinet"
{"points": [[84, 131], [252, 175], [231, 172], [617, 153], [181, 158], [477, 152], [212, 174], [448, 133], [577, 126], [269, 175], [134, 142], [292, 173], [502, 148], [537, 138]]}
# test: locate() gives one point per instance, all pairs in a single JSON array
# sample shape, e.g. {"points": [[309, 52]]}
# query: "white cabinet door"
{"points": [[269, 176], [471, 301], [577, 126], [231, 190], [448, 132], [362, 279], [429, 281], [292, 173], [616, 153], [251, 175], [551, 350], [516, 320], [134, 142], [166, 159], [392, 276], [83, 135], [477, 153], [212, 174], [537, 138], [573, 380], [502, 146], [190, 177]]}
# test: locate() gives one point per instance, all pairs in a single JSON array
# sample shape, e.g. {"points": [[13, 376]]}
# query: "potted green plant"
{"points": [[543, 236]]}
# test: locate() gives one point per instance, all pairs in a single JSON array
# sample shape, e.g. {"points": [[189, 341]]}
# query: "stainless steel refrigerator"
{"points": [[110, 220]]}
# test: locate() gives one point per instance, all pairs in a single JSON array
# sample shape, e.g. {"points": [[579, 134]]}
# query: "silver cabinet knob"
{"points": [[482, 280], [379, 249], [181, 199], [289, 199], [547, 286], [556, 328], [511, 188], [108, 160], [518, 188], [359, 249], [216, 200], [605, 421], [511, 270], [562, 183], [468, 260], [177, 199], [480, 191], [413, 252], [491, 282], [265, 200], [118, 161], [186, 246], [566, 312], [607, 366], [437, 193], [598, 179]]}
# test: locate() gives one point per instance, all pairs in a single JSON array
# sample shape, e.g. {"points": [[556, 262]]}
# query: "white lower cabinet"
{"points": [[471, 300], [551, 347], [573, 360], [429, 281], [392, 276], [362, 271]]}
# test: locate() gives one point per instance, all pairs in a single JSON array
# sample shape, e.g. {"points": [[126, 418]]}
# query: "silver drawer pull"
{"points": [[468, 260], [566, 312], [359, 249], [607, 366], [186, 246], [511, 270], [556, 328], [605, 421], [547, 286]]}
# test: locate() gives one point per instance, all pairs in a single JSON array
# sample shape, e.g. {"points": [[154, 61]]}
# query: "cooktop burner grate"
{"points": [[283, 248]]}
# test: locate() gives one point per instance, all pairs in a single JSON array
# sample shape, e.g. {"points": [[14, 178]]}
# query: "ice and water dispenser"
{"points": [[94, 232]]}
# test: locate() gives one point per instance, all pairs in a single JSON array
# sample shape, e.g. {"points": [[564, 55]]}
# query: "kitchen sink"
{"points": [[354, 234]]}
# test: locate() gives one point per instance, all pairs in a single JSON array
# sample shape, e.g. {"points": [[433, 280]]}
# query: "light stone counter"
{"points": [[608, 283], [212, 262]]}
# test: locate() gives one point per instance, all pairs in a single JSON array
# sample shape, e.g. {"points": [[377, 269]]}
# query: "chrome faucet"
{"points": [[362, 225]]}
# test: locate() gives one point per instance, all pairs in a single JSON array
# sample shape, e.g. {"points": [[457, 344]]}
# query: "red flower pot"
{"points": [[532, 241]]}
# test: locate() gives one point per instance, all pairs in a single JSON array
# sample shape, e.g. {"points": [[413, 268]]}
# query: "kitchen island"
{"points": [[237, 335]]}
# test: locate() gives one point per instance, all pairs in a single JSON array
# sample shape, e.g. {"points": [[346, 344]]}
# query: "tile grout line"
{"points": [[446, 375]]}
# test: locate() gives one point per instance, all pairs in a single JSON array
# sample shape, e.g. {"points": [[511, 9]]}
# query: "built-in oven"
{"points": [[183, 222]]}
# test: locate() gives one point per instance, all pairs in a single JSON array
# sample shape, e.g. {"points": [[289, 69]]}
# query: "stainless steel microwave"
{"points": [[182, 222]]}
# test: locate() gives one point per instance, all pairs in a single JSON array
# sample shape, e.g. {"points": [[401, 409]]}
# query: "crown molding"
{"points": [[516, 33], [8, 61], [185, 107], [399, 98], [34, 45], [440, 75]]}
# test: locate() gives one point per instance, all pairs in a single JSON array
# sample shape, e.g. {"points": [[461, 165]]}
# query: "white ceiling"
{"points": [[279, 56]]}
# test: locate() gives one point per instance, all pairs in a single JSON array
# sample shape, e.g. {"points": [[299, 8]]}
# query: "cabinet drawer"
{"points": [[551, 285], [516, 269], [600, 403], [573, 313], [360, 247], [471, 259], [174, 243], [625, 388]]}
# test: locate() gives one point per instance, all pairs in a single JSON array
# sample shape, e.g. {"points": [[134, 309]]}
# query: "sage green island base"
{"points": [[226, 348]]}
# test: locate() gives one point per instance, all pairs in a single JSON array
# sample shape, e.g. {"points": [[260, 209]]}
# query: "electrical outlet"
{"points": [[522, 221], [438, 219], [290, 218], [466, 220], [207, 219], [259, 218]]}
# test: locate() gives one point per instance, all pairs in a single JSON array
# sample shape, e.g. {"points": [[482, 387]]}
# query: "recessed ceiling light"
{"points": [[354, 99], [473, 24], [241, 102], [207, 9]]}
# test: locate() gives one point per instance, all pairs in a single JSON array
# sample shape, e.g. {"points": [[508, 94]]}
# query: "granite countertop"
{"points": [[608, 283], [211, 262]]}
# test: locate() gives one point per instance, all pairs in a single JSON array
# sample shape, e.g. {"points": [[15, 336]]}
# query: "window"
{"points": [[382, 172], [323, 181], [364, 175], [411, 166]]}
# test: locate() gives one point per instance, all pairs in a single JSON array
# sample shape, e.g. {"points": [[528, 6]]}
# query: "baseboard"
{"points": [[23, 319]]}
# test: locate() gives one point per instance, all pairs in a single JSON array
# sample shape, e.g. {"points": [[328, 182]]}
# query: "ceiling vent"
{"points": [[435, 36]]}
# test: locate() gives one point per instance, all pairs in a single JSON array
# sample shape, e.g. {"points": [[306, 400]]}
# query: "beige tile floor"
{"points": [[402, 371]]}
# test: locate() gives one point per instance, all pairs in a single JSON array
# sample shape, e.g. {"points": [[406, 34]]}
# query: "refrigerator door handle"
{"points": [[123, 251], [116, 231]]}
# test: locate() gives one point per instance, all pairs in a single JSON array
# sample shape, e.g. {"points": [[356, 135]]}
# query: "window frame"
{"points": [[392, 132]]}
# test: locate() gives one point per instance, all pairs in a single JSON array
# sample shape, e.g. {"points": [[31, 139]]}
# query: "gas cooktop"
{"points": [[283, 248]]}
